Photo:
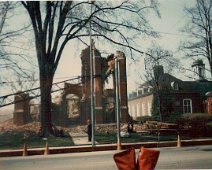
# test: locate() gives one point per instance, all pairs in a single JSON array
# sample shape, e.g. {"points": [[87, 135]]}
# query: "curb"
{"points": [[88, 148]]}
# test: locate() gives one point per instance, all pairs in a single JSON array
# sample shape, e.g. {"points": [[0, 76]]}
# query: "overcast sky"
{"points": [[172, 19]]}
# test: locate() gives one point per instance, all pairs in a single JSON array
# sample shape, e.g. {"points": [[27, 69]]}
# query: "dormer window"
{"points": [[149, 89], [139, 91], [174, 85]]}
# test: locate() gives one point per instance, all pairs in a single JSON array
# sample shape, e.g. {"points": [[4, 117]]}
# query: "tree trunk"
{"points": [[46, 122]]}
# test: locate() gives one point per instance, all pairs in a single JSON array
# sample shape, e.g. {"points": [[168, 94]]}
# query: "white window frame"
{"points": [[138, 110], [130, 110], [143, 109], [133, 111], [149, 105], [190, 102]]}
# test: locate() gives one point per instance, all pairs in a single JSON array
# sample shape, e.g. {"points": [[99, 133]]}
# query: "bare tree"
{"points": [[199, 28], [8, 59], [20, 83], [156, 60], [4, 7], [156, 55], [56, 23]]}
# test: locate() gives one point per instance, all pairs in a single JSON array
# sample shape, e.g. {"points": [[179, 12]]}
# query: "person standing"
{"points": [[130, 125], [89, 130]]}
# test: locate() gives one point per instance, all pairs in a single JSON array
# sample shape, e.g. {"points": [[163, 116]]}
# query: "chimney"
{"points": [[199, 70], [158, 71]]}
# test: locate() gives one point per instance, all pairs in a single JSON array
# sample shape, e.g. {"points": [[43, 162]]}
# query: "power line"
{"points": [[3, 98], [175, 34], [6, 97], [9, 82], [177, 22]]}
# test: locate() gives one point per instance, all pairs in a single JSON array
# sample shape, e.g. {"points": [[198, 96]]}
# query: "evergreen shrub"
{"points": [[197, 123]]}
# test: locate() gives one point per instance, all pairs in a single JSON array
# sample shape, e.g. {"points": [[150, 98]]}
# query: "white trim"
{"points": [[138, 109], [98, 108], [123, 107], [143, 109], [149, 107], [191, 108], [133, 110]]}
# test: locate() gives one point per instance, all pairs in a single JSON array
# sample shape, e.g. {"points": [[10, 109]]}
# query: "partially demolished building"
{"points": [[75, 104]]}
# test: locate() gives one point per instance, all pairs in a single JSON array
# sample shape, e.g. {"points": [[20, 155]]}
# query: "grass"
{"points": [[14, 140], [102, 138], [209, 124]]}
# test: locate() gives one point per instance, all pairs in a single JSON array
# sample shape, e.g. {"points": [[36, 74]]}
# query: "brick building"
{"points": [[175, 95], [78, 108], [74, 106]]}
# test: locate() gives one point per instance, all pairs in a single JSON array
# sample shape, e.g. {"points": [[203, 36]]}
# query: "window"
{"points": [[139, 92], [129, 110], [143, 109], [187, 105], [138, 110], [133, 111], [149, 108], [175, 85]]}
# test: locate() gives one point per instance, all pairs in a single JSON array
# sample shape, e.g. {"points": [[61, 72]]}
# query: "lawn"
{"points": [[14, 140], [103, 138]]}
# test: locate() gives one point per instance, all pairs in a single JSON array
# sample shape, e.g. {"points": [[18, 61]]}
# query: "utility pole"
{"points": [[92, 83], [117, 103]]}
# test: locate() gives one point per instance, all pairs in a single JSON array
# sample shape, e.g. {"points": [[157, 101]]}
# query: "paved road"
{"points": [[170, 158]]}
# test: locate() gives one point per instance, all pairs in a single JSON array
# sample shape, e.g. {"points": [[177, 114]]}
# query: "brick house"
{"points": [[175, 96], [208, 102]]}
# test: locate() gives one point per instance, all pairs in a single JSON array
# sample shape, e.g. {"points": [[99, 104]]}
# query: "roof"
{"points": [[166, 80], [201, 87], [209, 94]]}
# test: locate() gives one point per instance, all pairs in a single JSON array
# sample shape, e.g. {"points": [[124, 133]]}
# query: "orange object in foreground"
{"points": [[125, 160], [147, 159]]}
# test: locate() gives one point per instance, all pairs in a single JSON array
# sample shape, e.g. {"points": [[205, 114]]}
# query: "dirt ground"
{"points": [[8, 126]]}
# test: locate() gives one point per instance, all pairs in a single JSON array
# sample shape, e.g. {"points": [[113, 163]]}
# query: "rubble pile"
{"points": [[8, 126], [160, 125], [106, 128], [138, 127], [76, 129]]}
